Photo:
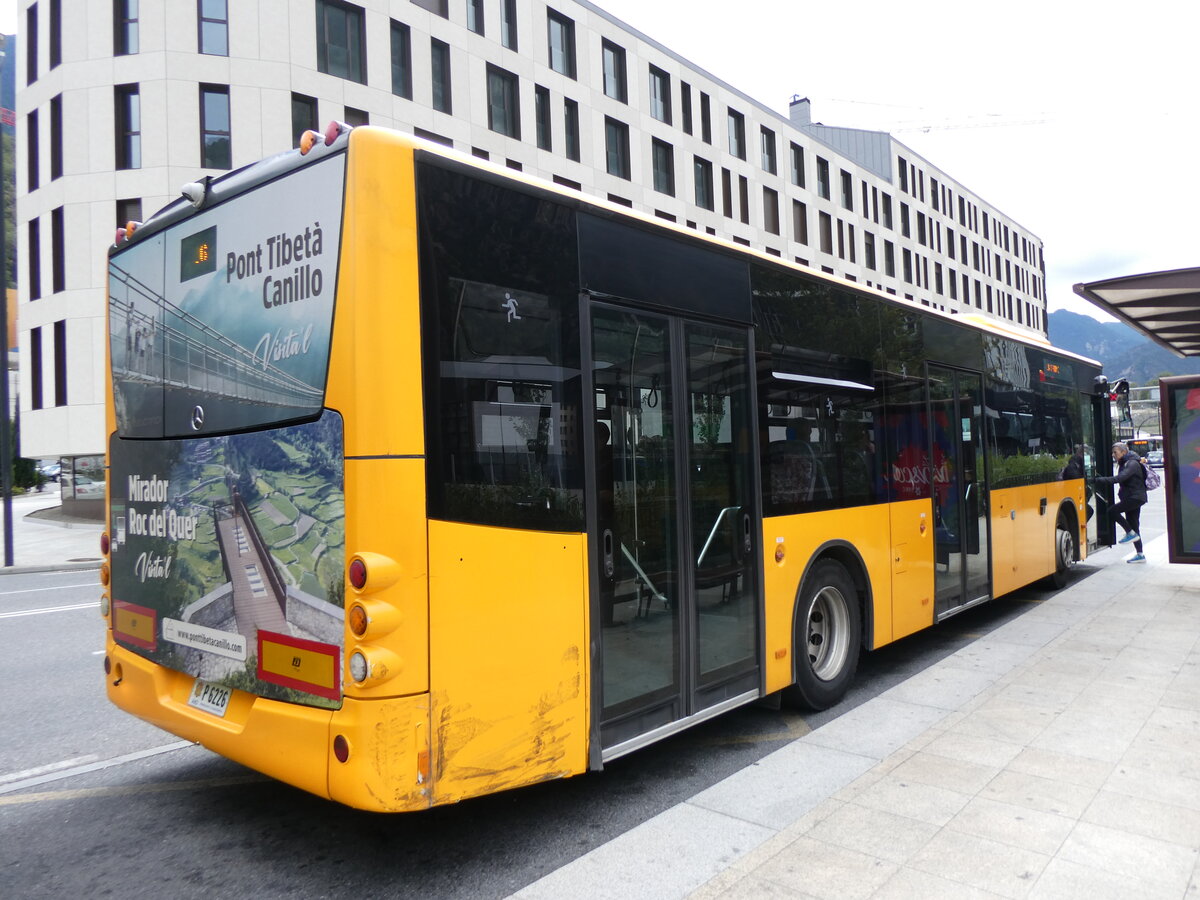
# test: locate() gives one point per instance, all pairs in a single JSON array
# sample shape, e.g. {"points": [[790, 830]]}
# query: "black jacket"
{"points": [[1130, 478]]}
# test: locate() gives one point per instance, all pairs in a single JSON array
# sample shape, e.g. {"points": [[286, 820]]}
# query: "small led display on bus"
{"points": [[1054, 372], [198, 254]]}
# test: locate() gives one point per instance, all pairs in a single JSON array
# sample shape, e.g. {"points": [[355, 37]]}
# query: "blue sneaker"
{"points": [[1136, 558], [1130, 536]]}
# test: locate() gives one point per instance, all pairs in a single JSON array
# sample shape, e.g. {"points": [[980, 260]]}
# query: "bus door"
{"points": [[960, 512], [673, 547]]}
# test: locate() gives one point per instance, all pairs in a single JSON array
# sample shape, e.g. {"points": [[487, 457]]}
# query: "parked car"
{"points": [[50, 469], [1155, 458], [85, 487]]}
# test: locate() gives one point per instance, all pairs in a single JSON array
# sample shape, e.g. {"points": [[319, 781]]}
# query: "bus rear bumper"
{"points": [[386, 768]]}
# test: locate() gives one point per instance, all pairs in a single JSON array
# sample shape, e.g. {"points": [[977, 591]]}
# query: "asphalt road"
{"points": [[94, 802]]}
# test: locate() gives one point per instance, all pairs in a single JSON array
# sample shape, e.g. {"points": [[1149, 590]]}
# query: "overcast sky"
{"points": [[1077, 119]]}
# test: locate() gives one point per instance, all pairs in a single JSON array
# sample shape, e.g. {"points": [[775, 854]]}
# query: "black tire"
{"points": [[828, 637], [1065, 554]]}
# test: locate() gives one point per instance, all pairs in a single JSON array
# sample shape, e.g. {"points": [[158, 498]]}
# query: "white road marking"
{"points": [[57, 587], [35, 780], [53, 767], [49, 609]]}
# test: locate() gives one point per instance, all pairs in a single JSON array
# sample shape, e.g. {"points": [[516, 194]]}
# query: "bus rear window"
{"points": [[222, 322]]}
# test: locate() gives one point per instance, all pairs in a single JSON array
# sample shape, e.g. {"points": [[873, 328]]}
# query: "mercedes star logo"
{"points": [[197, 418]]}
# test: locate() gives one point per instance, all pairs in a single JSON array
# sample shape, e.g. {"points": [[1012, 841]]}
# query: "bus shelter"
{"points": [[1165, 306]]}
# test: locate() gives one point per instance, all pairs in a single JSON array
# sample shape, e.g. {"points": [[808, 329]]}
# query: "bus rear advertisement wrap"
{"points": [[227, 556], [228, 544]]}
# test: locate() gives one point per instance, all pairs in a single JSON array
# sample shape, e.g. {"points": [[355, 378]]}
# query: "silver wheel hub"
{"points": [[828, 633]]}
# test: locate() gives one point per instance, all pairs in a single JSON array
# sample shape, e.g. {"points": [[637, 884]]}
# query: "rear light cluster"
{"points": [[110, 670], [369, 618], [105, 575], [333, 131], [125, 232]]}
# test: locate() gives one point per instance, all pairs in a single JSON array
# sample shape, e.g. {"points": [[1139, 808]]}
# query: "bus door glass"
{"points": [[959, 488], [673, 546]]}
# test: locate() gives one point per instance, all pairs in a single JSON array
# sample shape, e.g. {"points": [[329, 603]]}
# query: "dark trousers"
{"points": [[1128, 514]]}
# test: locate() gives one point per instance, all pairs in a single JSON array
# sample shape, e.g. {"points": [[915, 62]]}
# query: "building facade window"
{"points": [[128, 210], [766, 140], [128, 126], [615, 83], [341, 42], [826, 225], [702, 173], [705, 118], [744, 197], [439, 65], [847, 190], [685, 106], [31, 44], [125, 27], [58, 252], [660, 95], [214, 27], [475, 16], [35, 368], [34, 243], [869, 250], [736, 125], [55, 33], [504, 106], [355, 117], [571, 128], [56, 137], [401, 60], [508, 24], [771, 210], [799, 222], [216, 150], [822, 178], [32, 152], [616, 148], [60, 362], [561, 37], [541, 105], [797, 154], [663, 157], [304, 116], [437, 7]]}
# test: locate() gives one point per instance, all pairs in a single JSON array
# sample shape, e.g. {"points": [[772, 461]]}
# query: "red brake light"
{"points": [[358, 574], [334, 130], [104, 543]]}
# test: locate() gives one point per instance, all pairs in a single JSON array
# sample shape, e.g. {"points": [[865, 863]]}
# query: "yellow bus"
{"points": [[427, 480]]}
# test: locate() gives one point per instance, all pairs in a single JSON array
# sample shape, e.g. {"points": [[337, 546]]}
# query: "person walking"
{"points": [[1131, 492]]}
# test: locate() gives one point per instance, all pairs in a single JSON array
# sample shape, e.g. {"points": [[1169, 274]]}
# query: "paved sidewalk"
{"points": [[45, 539], [1056, 757]]}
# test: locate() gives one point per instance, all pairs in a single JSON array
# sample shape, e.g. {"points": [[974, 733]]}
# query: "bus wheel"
{"points": [[828, 634], [1064, 553]]}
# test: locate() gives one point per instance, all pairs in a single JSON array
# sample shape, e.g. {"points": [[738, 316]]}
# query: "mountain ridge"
{"points": [[1122, 351]]}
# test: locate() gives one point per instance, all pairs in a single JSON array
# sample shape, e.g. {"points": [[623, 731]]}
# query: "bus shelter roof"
{"points": [[1164, 306]]}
